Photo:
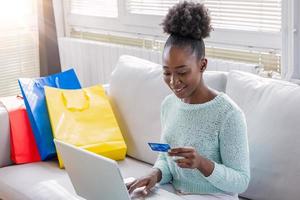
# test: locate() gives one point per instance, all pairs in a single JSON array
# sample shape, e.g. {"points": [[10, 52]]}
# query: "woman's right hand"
{"points": [[148, 181]]}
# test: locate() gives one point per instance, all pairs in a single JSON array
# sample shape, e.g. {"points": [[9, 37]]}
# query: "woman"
{"points": [[205, 128]]}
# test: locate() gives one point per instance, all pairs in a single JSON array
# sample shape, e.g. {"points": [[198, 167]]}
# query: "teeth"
{"points": [[178, 90]]}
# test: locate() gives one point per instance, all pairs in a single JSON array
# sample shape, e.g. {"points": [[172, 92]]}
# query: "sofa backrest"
{"points": [[136, 91], [272, 110]]}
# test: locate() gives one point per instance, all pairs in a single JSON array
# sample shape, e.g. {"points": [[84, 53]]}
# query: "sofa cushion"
{"points": [[44, 180], [272, 111], [4, 137], [37, 180], [136, 91], [216, 80]]}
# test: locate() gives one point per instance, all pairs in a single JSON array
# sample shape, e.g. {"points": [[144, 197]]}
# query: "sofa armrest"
{"points": [[106, 88], [4, 137]]}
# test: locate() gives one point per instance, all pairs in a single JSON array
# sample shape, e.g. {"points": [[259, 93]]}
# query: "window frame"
{"points": [[232, 37], [133, 24]]}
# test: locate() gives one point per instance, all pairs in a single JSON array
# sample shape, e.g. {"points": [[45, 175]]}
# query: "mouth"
{"points": [[179, 90]]}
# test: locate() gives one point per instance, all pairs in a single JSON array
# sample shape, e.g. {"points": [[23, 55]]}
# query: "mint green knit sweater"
{"points": [[217, 130]]}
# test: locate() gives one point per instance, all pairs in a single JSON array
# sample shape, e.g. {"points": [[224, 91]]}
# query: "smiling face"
{"points": [[182, 71]]}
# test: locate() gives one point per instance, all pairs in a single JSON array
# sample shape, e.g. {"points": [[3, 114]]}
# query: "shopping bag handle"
{"points": [[76, 100], [20, 96]]}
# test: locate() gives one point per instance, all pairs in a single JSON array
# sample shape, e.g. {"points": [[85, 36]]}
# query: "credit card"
{"points": [[159, 147]]}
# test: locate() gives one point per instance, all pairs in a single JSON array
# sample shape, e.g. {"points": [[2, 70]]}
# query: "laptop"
{"points": [[96, 177]]}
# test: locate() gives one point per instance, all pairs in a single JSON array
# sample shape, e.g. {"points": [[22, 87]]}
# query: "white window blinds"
{"points": [[248, 15], [98, 8], [247, 30], [19, 55], [247, 25], [150, 7]]}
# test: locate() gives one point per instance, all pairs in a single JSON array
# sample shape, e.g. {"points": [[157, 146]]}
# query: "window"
{"points": [[153, 7], [98, 8], [18, 44], [248, 31], [249, 15]]}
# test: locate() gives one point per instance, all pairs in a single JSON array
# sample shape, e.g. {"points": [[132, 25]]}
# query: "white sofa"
{"points": [[136, 89]]}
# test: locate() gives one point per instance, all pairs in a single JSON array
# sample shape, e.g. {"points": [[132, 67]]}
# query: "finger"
{"points": [[128, 185], [149, 186], [145, 192], [134, 186], [138, 184], [183, 165], [184, 161], [185, 155], [181, 150]]}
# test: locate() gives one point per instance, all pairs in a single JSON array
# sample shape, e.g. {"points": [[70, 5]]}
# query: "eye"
{"points": [[167, 73], [181, 73]]}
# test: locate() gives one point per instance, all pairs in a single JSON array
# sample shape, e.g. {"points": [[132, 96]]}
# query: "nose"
{"points": [[174, 80]]}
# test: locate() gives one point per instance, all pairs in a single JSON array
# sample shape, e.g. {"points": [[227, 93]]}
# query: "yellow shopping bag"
{"points": [[85, 118]]}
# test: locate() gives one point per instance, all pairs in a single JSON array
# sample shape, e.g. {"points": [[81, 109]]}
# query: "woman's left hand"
{"points": [[190, 157]]}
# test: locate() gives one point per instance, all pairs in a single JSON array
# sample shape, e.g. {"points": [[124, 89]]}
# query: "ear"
{"points": [[202, 64]]}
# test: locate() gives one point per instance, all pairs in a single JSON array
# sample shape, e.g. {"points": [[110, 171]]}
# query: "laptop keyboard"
{"points": [[155, 194]]}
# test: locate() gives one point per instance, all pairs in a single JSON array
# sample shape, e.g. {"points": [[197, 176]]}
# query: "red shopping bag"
{"points": [[23, 145]]}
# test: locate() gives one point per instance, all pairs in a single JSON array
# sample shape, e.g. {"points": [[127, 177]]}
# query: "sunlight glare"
{"points": [[15, 12]]}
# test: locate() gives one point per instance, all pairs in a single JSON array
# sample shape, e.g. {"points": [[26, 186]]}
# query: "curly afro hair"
{"points": [[187, 23], [188, 19]]}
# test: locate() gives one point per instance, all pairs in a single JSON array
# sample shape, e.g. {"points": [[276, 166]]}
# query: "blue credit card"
{"points": [[159, 147]]}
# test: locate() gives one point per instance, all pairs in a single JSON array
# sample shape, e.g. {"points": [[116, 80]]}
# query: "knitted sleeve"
{"points": [[162, 165], [161, 162], [233, 175]]}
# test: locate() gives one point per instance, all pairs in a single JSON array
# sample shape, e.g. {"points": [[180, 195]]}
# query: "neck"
{"points": [[202, 94]]}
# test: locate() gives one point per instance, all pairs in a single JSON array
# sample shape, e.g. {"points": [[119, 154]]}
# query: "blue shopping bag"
{"points": [[35, 102]]}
